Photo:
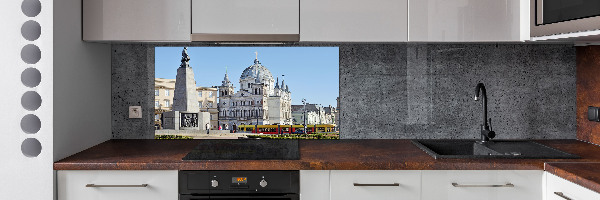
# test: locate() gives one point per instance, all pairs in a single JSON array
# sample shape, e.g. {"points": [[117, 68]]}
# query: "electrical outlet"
{"points": [[135, 112]]}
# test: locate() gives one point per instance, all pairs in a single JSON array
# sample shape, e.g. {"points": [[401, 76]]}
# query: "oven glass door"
{"points": [[554, 11]]}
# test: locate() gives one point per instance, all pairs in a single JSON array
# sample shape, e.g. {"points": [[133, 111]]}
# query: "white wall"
{"points": [[24, 177], [82, 87]]}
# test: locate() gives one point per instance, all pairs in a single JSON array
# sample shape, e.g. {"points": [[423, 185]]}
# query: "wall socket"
{"points": [[135, 112]]}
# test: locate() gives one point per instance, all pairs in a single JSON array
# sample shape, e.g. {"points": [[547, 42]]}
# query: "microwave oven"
{"points": [[556, 17]]}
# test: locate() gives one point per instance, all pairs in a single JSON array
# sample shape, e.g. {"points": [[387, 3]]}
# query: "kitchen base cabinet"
{"points": [[482, 184], [561, 189], [314, 184], [117, 185], [375, 185]]}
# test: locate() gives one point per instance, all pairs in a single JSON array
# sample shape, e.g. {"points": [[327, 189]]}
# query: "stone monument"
{"points": [[185, 114]]}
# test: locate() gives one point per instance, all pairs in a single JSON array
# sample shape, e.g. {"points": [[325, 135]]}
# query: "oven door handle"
{"points": [[245, 196], [252, 197]]}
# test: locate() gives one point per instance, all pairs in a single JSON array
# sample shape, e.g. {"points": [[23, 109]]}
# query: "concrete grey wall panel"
{"points": [[394, 91]]}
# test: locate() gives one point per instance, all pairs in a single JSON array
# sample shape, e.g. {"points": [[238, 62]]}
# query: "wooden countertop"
{"points": [[581, 173], [314, 155]]}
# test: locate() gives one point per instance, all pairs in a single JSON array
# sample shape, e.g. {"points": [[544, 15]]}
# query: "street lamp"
{"points": [[256, 121], [304, 103]]}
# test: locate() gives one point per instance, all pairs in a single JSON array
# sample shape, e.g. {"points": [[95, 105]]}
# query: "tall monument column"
{"points": [[185, 96], [186, 113]]}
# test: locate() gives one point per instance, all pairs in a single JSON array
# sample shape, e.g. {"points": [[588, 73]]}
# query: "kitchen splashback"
{"points": [[408, 90]]}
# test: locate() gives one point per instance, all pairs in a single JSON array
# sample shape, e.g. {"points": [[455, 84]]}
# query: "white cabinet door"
{"points": [[561, 189], [375, 185], [482, 184], [468, 20], [314, 184], [117, 185], [136, 20], [244, 17], [354, 20]]}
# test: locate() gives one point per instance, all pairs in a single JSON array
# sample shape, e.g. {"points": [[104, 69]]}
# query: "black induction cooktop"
{"points": [[245, 149]]}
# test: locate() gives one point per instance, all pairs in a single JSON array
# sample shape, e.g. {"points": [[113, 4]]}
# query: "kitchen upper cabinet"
{"points": [[354, 20], [468, 20], [561, 189], [377, 184], [117, 184], [243, 20], [482, 184], [136, 20]]}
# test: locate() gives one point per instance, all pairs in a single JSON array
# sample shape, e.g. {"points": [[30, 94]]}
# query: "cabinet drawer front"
{"points": [[380, 185], [482, 184], [555, 184], [116, 185]]}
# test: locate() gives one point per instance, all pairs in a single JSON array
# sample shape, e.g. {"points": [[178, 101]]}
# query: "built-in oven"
{"points": [[553, 17], [235, 185]]}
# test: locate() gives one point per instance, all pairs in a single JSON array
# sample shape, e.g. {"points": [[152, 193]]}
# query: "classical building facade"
{"points": [[163, 100], [260, 99], [315, 114]]}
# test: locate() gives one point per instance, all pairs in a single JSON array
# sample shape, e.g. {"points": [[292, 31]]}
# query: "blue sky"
{"points": [[310, 72]]}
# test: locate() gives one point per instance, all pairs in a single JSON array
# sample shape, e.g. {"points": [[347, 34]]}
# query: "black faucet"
{"points": [[486, 129]]}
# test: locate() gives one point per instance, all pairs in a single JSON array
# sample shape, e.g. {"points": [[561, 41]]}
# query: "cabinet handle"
{"points": [[505, 185], [367, 184], [560, 194], [94, 185]]}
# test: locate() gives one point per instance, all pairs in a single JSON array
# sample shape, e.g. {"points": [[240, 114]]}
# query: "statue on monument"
{"points": [[185, 58]]}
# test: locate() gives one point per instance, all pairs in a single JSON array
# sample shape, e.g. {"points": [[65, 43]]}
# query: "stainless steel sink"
{"points": [[493, 149]]}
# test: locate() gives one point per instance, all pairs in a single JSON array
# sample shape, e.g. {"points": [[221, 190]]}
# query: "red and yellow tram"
{"points": [[287, 129]]}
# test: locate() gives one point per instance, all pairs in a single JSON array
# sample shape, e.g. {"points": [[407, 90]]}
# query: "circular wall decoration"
{"points": [[30, 124], [31, 8], [31, 100], [31, 77], [31, 54], [31, 147], [31, 30]]}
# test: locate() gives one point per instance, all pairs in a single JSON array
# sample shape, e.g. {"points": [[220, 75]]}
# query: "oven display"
{"points": [[239, 180]]}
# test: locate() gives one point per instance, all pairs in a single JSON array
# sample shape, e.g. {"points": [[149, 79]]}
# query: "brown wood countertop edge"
{"points": [[579, 179]]}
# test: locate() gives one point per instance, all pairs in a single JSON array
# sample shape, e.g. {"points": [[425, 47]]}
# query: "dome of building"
{"points": [[257, 71]]}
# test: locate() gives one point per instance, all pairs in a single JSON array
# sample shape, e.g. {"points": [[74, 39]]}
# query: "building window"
{"points": [[167, 92], [210, 105], [156, 104], [156, 93], [200, 104], [167, 103], [210, 94], [157, 117], [200, 94]]}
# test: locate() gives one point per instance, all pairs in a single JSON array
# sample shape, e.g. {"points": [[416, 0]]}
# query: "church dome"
{"points": [[257, 71]]}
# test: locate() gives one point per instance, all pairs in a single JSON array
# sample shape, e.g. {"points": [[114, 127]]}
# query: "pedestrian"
{"points": [[207, 128]]}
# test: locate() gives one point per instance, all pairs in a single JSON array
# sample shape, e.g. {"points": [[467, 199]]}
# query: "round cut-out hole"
{"points": [[31, 8], [31, 54], [31, 147], [31, 77], [31, 100], [30, 124], [31, 30]]}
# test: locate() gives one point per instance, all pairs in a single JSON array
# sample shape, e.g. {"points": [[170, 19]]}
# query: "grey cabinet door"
{"points": [[136, 20]]}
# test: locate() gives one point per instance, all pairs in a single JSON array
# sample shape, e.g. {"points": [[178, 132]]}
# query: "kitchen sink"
{"points": [[517, 149]]}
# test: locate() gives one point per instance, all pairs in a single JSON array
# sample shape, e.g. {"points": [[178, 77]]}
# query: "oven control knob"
{"points": [[263, 183], [214, 183]]}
